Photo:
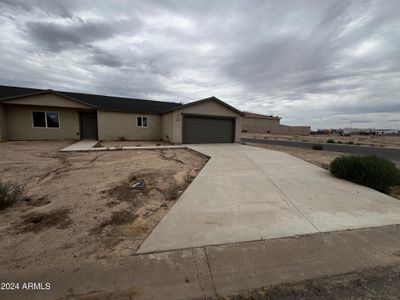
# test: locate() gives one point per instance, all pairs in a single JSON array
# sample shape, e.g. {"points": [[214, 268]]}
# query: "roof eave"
{"points": [[213, 98], [46, 92]]}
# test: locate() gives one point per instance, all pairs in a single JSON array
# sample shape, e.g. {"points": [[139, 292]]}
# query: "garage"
{"points": [[202, 129]]}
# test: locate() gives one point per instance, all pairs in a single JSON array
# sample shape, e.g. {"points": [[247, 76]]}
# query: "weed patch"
{"points": [[10, 192], [318, 147]]}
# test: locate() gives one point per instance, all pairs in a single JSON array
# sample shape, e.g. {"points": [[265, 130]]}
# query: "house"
{"points": [[35, 114], [256, 123], [385, 131]]}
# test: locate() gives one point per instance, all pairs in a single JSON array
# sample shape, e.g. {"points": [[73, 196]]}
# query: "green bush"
{"points": [[372, 171], [317, 147], [10, 192], [350, 143], [330, 141], [340, 142]]}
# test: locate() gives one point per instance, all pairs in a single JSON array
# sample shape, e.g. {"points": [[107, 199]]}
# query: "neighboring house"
{"points": [[256, 123], [34, 114], [385, 131]]}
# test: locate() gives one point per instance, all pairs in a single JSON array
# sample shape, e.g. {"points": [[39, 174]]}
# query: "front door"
{"points": [[88, 122]]}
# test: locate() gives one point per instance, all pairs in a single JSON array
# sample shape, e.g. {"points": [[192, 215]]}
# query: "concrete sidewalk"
{"points": [[208, 272], [246, 193], [82, 145]]}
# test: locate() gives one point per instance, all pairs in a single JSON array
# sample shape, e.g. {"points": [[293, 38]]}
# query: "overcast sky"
{"points": [[320, 63]]}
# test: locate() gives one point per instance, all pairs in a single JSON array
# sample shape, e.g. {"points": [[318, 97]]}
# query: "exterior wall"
{"points": [[47, 100], [167, 132], [211, 108], [257, 125], [3, 128], [20, 124], [293, 130], [113, 125]]}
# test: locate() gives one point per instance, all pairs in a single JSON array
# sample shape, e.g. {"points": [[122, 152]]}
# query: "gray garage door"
{"points": [[200, 130]]}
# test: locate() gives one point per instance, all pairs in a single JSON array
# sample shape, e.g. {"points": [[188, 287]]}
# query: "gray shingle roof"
{"points": [[98, 101]]}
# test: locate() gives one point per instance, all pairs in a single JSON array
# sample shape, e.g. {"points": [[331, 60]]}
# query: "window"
{"points": [[141, 122], [45, 119]]}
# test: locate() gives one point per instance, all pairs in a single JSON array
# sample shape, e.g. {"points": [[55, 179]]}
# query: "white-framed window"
{"points": [[45, 119], [141, 122]]}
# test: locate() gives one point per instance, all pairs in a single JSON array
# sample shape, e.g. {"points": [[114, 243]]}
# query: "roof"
{"points": [[101, 102], [259, 116], [205, 100]]}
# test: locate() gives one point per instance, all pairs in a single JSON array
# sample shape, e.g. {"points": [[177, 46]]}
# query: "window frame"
{"points": [[45, 119], [142, 118]]}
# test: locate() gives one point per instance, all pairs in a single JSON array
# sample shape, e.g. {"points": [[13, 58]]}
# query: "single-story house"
{"points": [[257, 123], [35, 114]]}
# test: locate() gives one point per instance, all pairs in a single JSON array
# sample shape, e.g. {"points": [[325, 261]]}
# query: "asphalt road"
{"points": [[388, 153]]}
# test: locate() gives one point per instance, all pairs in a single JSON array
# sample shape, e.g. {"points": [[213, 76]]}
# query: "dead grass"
{"points": [[79, 206]]}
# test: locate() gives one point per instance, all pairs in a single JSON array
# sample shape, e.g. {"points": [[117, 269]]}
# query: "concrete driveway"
{"points": [[246, 193]]}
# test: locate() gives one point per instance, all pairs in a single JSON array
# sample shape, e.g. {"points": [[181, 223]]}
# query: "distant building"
{"points": [[257, 123], [385, 131], [369, 131]]}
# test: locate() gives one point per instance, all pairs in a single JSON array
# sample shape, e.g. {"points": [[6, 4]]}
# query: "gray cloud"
{"points": [[57, 37], [323, 63]]}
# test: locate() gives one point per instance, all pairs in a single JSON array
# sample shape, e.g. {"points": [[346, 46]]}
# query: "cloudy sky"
{"points": [[320, 63]]}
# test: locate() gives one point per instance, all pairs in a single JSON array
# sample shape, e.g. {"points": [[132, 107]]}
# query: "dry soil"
{"points": [[79, 206], [392, 141]]}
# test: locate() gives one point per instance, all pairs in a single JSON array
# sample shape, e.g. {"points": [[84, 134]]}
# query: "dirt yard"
{"points": [[360, 140], [79, 206], [119, 144], [319, 158]]}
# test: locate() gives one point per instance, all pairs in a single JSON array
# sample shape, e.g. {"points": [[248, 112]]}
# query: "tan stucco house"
{"points": [[34, 114], [257, 123]]}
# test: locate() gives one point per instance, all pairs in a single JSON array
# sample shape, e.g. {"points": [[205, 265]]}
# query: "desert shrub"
{"points": [[10, 192], [330, 141], [317, 147], [122, 138], [372, 171]]}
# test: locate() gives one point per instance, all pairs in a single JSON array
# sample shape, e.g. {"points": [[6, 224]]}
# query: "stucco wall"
{"points": [[3, 127], [293, 130], [167, 133], [47, 100], [113, 125], [20, 124], [257, 125], [211, 108]]}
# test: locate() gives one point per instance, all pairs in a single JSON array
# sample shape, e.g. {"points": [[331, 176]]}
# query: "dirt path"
{"points": [[375, 283], [79, 205]]}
